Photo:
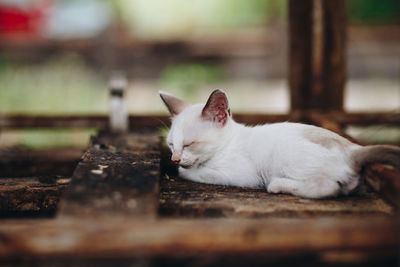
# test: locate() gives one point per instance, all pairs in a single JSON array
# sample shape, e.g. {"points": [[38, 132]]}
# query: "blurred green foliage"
{"points": [[373, 11], [375, 134], [177, 19], [59, 86], [188, 77], [163, 131], [47, 138], [67, 86]]}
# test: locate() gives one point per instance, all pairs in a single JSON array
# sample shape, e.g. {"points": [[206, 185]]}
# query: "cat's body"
{"points": [[293, 158]]}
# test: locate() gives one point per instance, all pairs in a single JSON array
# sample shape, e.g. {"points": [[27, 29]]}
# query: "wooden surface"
{"points": [[31, 196], [130, 237], [188, 199], [184, 198], [118, 174], [115, 212]]}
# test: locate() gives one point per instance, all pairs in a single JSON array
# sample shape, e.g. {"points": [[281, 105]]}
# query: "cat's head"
{"points": [[197, 131]]}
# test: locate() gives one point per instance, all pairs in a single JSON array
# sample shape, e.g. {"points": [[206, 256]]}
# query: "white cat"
{"points": [[303, 160]]}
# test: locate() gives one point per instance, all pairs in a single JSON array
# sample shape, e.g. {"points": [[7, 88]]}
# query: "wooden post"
{"points": [[317, 64]]}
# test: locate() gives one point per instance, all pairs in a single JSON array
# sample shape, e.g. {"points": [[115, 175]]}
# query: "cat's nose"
{"points": [[176, 157]]}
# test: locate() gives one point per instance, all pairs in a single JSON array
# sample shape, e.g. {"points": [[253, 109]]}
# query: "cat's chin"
{"points": [[188, 165]]}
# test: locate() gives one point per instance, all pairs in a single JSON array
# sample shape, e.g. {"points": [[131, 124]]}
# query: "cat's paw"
{"points": [[274, 188], [283, 186]]}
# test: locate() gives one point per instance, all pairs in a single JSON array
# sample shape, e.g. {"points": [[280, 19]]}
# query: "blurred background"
{"points": [[56, 57]]}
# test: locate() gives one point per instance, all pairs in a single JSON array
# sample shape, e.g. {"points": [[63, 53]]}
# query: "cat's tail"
{"points": [[385, 154]]}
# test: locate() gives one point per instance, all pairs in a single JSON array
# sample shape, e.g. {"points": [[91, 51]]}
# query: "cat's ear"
{"points": [[174, 104], [217, 108]]}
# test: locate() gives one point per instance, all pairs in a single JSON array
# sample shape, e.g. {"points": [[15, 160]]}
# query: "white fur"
{"points": [[277, 156]]}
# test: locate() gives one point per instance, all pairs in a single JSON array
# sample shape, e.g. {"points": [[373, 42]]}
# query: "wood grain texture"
{"points": [[118, 174], [128, 237], [31, 196], [180, 198]]}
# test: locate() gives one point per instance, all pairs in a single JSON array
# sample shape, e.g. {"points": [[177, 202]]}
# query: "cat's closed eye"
{"points": [[188, 144], [184, 146]]}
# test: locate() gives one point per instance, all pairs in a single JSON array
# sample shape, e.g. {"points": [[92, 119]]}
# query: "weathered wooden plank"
{"points": [[31, 196], [118, 174], [317, 54], [118, 237], [188, 199]]}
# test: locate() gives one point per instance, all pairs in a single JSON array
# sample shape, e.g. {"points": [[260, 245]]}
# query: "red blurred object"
{"points": [[27, 21]]}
